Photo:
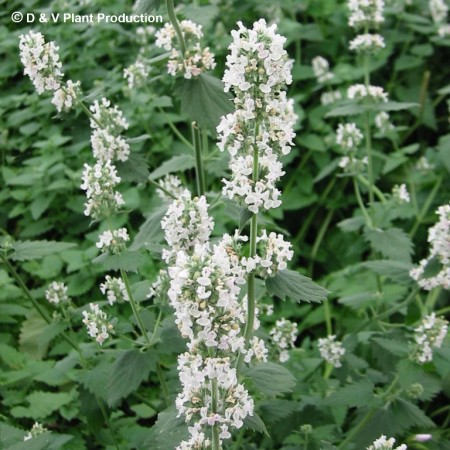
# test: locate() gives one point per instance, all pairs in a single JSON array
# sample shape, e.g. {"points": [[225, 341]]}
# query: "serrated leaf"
{"points": [[204, 101], [168, 431], [150, 231], [397, 348], [128, 372], [271, 379], [27, 250], [146, 6], [409, 415], [355, 394], [395, 270], [178, 163], [277, 409], [94, 379], [288, 283], [42, 404], [392, 243], [255, 423], [128, 261]]}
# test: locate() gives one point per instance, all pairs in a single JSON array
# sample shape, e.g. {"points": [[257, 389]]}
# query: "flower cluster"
{"points": [[383, 123], [136, 74], [283, 336], [97, 323], [331, 350], [428, 335], [439, 239], [57, 293], [115, 290], [367, 43], [36, 430], [382, 443], [204, 287], [327, 98], [262, 124], [321, 69], [438, 11], [348, 137], [186, 224], [365, 13], [172, 184], [360, 92], [99, 182], [272, 256], [400, 193], [42, 65], [113, 241], [195, 59]]}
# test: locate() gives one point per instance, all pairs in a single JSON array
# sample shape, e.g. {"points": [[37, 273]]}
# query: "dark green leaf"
{"points": [[409, 415], [277, 409], [168, 431], [351, 109], [26, 250], [134, 169], [392, 243], [177, 163], [42, 404], [245, 216], [255, 423], [150, 231], [395, 270], [396, 106], [396, 347], [128, 261], [128, 372], [352, 224], [44, 441], [204, 101], [355, 394], [271, 379], [288, 283]]}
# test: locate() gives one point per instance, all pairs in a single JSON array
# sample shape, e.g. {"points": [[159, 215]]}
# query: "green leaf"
{"points": [[168, 431], [271, 379], [94, 379], [42, 404], [277, 409], [352, 224], [128, 261], [26, 250], [128, 372], [146, 6], [255, 423], [204, 101], [244, 217], [392, 243], [134, 169], [9, 435], [409, 415], [396, 347], [350, 109], [397, 271], [45, 441], [396, 106], [178, 163], [444, 151], [355, 394], [150, 231], [288, 283]]}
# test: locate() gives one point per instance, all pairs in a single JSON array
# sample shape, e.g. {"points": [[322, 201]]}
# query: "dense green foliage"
{"points": [[373, 305]]}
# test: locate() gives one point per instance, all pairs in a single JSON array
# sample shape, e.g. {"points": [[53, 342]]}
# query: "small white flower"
{"points": [[382, 122], [328, 98], [321, 69], [360, 92], [57, 293], [136, 74], [171, 183], [367, 43], [348, 137], [36, 430], [115, 290], [365, 13], [400, 193], [438, 11], [113, 241], [429, 335], [382, 443], [331, 350], [97, 323], [66, 96], [283, 336]]}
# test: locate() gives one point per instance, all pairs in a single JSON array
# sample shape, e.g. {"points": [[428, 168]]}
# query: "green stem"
{"points": [[155, 329], [432, 298], [108, 423], [319, 239], [426, 206], [376, 190], [327, 313], [134, 307], [174, 21], [175, 129], [215, 428], [361, 204], [198, 160]]}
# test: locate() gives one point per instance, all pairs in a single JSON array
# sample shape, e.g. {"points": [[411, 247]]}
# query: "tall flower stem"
{"points": [[200, 173], [174, 21]]}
